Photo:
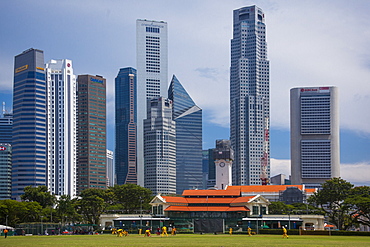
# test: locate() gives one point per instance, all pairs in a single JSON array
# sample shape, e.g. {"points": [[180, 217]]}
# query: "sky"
{"points": [[310, 43]]}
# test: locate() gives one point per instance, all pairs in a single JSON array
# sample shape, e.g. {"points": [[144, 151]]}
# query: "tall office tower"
{"points": [[126, 123], [91, 158], [160, 147], [188, 118], [152, 75], [110, 169], [6, 125], [61, 127], [314, 138], [249, 96], [29, 122], [5, 171]]}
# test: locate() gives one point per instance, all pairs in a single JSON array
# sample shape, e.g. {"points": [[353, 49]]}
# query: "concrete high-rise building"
{"points": [[314, 138], [111, 177], [29, 144], [5, 171], [249, 96], [152, 75], [126, 124], [61, 127], [188, 118], [160, 147], [92, 151]]}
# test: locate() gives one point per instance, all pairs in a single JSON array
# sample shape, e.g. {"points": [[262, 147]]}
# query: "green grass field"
{"points": [[185, 240]]}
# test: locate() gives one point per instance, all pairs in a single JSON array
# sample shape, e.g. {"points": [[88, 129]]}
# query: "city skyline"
{"points": [[302, 53]]}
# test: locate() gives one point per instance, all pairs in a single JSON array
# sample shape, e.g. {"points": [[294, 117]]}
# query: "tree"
{"points": [[131, 197], [359, 200], [66, 211], [331, 199], [91, 205], [280, 208], [38, 194], [14, 212]]}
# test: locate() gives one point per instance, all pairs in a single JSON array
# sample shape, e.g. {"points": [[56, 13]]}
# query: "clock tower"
{"points": [[223, 155]]}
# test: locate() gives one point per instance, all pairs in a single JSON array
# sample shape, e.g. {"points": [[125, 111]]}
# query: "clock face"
{"points": [[222, 164]]}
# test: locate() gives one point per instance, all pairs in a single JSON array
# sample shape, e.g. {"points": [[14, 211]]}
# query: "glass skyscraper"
{"points": [[160, 147], [152, 75], [5, 171], [92, 151], [314, 140], [188, 118], [62, 127], [249, 96], [29, 122], [126, 124]]}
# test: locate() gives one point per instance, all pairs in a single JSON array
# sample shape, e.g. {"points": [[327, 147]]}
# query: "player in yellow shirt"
{"points": [[285, 233], [164, 231]]}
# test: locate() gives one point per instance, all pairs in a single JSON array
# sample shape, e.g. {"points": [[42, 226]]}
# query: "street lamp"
{"points": [[6, 220]]}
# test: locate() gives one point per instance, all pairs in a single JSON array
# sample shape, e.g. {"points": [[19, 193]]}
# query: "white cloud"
{"points": [[279, 166], [357, 173]]}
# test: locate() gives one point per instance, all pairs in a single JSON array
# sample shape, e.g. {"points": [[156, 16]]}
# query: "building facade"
{"points": [[91, 168], [314, 128], [152, 75], [61, 127], [249, 96], [6, 125], [188, 118], [5, 171], [111, 177], [160, 147], [29, 159], [126, 124]]}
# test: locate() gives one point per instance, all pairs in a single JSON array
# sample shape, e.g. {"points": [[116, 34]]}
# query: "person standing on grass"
{"points": [[285, 233], [249, 231], [164, 231], [5, 232]]}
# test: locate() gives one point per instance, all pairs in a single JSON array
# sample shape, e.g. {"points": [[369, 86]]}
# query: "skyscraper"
{"points": [[92, 157], [188, 118], [249, 96], [160, 147], [314, 139], [29, 122], [152, 75], [126, 123], [5, 171], [61, 127], [111, 177], [6, 125]]}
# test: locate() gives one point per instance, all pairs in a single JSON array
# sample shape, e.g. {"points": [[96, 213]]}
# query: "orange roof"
{"points": [[206, 209], [310, 190], [228, 192], [174, 199], [242, 199], [262, 188], [210, 200]]}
